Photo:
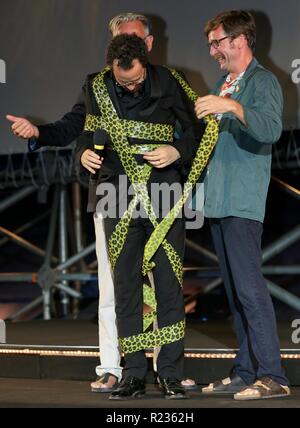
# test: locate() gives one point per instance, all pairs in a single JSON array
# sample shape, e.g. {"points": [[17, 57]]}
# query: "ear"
{"points": [[241, 41], [149, 42]]}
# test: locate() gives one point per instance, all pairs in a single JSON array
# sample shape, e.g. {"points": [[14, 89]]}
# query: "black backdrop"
{"points": [[48, 46]]}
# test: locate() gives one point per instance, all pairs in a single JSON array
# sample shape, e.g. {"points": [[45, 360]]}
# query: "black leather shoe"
{"points": [[172, 389], [130, 387]]}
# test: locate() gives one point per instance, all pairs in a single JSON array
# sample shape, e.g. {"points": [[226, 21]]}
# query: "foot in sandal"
{"points": [[230, 385], [262, 389], [189, 385], [106, 383]]}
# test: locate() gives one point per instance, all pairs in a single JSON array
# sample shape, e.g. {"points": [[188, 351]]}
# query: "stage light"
{"points": [[91, 354]]}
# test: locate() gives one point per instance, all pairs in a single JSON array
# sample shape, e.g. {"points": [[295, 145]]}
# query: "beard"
{"points": [[137, 88], [221, 59]]}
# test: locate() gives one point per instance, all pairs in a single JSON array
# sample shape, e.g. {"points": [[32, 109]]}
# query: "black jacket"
{"points": [[167, 104], [66, 130]]}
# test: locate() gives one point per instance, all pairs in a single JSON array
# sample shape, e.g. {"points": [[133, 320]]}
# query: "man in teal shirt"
{"points": [[247, 101]]}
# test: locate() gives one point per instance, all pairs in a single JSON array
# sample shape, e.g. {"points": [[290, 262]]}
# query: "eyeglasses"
{"points": [[216, 43], [132, 82]]}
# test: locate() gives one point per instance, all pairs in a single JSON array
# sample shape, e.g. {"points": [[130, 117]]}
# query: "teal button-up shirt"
{"points": [[238, 175]]}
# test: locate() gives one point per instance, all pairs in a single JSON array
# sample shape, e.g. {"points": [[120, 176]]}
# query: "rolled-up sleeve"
{"points": [[264, 115]]}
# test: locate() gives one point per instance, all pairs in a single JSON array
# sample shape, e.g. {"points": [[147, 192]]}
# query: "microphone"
{"points": [[101, 139]]}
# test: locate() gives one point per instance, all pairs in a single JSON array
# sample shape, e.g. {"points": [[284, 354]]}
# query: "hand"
{"points": [[22, 127], [162, 157], [91, 161], [211, 104]]}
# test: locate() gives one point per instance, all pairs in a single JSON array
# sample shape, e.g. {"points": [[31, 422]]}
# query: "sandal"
{"points": [[189, 385], [99, 384], [230, 385], [263, 389]]}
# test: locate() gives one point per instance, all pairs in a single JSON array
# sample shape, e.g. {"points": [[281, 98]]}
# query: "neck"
{"points": [[242, 65]]}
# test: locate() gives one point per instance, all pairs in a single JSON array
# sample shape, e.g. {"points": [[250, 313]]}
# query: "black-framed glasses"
{"points": [[138, 81], [216, 43]]}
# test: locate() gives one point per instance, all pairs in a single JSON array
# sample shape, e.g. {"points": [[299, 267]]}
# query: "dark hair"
{"points": [[125, 48], [235, 23]]}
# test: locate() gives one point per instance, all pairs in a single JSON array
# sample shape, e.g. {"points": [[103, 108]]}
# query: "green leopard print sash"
{"points": [[119, 131]]}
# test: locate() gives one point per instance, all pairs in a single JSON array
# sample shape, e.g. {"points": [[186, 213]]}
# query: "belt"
{"points": [[140, 149]]}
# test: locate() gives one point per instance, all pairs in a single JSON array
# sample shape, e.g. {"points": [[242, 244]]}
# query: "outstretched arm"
{"points": [[59, 134]]}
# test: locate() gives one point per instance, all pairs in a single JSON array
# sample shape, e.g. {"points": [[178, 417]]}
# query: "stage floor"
{"points": [[19, 393], [40, 366]]}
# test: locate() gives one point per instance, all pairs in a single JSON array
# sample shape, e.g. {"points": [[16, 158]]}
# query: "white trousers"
{"points": [[108, 335]]}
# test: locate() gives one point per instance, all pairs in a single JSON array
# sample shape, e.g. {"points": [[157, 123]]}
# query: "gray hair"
{"points": [[129, 17]]}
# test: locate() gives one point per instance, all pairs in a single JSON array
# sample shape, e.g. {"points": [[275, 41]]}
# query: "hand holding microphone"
{"points": [[92, 160]]}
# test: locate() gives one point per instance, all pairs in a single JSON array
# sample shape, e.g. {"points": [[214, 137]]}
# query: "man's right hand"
{"points": [[22, 128], [91, 161]]}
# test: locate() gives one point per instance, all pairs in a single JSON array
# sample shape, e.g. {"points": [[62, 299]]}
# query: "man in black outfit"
{"points": [[146, 94], [62, 133]]}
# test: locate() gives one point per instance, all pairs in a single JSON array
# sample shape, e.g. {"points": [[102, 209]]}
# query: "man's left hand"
{"points": [[162, 157], [211, 104]]}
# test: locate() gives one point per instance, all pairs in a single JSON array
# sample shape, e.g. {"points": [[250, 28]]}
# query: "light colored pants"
{"points": [[108, 335]]}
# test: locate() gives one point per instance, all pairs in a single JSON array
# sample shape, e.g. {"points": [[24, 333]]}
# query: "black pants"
{"points": [[238, 246], [128, 282]]}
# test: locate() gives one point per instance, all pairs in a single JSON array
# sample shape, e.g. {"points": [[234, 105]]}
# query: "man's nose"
{"points": [[213, 50]]}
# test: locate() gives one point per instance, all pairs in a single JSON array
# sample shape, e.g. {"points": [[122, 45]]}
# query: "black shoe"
{"points": [[172, 389], [130, 387]]}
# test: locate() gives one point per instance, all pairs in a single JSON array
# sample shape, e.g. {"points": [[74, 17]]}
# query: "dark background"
{"points": [[50, 45]]}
